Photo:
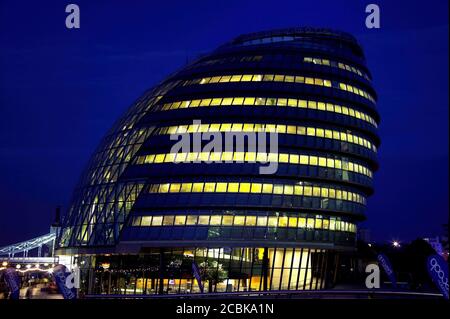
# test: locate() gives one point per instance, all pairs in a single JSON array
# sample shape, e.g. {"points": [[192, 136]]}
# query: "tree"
{"points": [[213, 272]]}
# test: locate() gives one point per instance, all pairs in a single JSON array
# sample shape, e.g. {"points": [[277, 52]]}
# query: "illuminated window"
{"points": [[221, 187], [267, 188], [244, 188], [215, 220], [186, 187], [278, 189], [209, 187], [310, 223], [157, 220], [256, 188], [227, 220], [288, 189], [239, 220], [262, 221], [175, 188], [233, 187], [272, 221], [164, 188], [168, 220], [283, 221], [203, 220], [136, 221], [197, 187], [249, 101], [302, 222], [146, 220], [318, 224], [250, 221], [180, 220]]}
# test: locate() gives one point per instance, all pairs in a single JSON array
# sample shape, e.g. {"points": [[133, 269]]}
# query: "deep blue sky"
{"points": [[60, 90]]}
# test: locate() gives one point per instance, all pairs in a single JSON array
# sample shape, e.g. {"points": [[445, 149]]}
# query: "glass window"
{"points": [[316, 191], [278, 189], [273, 221], [322, 161], [267, 188], [301, 222], [256, 188], [168, 220], [279, 78], [227, 101], [289, 189], [298, 190], [146, 220], [216, 101], [227, 220], [225, 78], [186, 187], [233, 187], [215, 220], [262, 221], [157, 220], [239, 220], [293, 222], [191, 220], [209, 187], [203, 220], [164, 188], [221, 187], [283, 221], [250, 221], [238, 101], [318, 224], [244, 188], [235, 78], [249, 101], [180, 220], [136, 221], [197, 187], [310, 223]]}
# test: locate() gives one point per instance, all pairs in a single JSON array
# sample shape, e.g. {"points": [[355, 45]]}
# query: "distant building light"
{"points": [[105, 265], [396, 244]]}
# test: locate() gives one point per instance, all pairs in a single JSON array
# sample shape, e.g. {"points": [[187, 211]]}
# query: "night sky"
{"points": [[61, 89]]}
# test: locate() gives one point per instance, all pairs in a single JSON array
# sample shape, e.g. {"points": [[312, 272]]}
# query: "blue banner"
{"points": [[63, 281], [388, 269], [197, 275], [13, 281], [438, 269]]}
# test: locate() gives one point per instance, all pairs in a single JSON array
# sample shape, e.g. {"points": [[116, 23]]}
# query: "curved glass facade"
{"points": [[143, 215]]}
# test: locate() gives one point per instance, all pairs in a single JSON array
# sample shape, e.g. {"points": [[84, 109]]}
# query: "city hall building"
{"points": [[147, 220]]}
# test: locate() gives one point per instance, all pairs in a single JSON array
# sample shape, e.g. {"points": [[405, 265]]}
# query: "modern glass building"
{"points": [[142, 223]]}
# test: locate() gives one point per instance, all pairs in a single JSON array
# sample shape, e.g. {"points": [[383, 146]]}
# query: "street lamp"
{"points": [[5, 263], [396, 244]]}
